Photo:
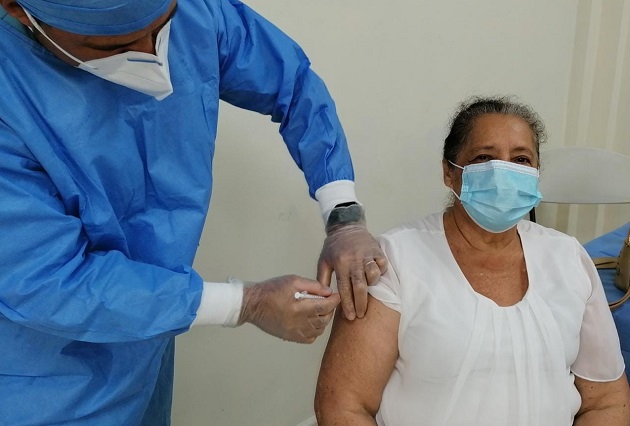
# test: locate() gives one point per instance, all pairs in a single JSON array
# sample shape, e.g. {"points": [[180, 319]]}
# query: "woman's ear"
{"points": [[447, 174], [16, 11]]}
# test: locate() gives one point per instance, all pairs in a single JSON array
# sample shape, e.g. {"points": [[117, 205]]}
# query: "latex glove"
{"points": [[357, 260], [271, 306]]}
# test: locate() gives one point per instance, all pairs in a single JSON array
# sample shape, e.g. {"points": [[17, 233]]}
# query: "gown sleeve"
{"points": [[599, 356], [387, 289], [51, 280], [263, 70]]}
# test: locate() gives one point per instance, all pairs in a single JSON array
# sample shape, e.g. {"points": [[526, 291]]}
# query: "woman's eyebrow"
{"points": [[485, 148], [523, 149]]}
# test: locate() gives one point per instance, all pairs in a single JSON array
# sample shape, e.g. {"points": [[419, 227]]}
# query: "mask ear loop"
{"points": [[452, 190], [39, 28], [459, 167]]}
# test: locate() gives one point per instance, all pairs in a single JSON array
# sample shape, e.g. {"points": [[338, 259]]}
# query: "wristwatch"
{"points": [[344, 214]]}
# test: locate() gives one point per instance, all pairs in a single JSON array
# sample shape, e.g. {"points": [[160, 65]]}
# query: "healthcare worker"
{"points": [[108, 118]]}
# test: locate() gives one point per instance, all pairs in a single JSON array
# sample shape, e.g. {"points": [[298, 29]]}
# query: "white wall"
{"points": [[396, 69]]}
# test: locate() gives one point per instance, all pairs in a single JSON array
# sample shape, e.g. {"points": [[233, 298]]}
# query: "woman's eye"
{"points": [[523, 160], [482, 158]]}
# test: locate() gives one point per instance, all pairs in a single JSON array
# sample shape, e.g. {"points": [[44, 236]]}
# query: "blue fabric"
{"points": [[609, 245], [158, 411], [104, 193], [4, 16], [97, 17]]}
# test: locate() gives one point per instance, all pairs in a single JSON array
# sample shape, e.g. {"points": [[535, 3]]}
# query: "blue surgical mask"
{"points": [[497, 194]]}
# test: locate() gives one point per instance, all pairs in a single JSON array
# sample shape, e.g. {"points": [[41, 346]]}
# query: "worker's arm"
{"points": [[263, 70], [55, 279]]}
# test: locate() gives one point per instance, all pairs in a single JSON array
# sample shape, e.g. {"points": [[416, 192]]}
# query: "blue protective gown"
{"points": [[103, 196]]}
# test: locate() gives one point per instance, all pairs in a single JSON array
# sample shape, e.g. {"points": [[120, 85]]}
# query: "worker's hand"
{"points": [[271, 306], [358, 261]]}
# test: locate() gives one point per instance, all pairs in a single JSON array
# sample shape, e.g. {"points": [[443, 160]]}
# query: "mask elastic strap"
{"points": [[459, 167], [39, 28], [455, 194]]}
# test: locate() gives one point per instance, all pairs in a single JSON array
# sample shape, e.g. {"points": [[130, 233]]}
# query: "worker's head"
{"points": [[93, 29]]}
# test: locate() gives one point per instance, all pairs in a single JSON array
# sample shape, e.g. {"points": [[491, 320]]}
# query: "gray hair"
{"points": [[468, 111]]}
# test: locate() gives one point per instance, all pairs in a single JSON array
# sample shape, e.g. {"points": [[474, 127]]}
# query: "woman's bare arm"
{"points": [[603, 403], [356, 366]]}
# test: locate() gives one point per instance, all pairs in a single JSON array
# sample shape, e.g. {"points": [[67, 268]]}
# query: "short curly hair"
{"points": [[468, 111]]}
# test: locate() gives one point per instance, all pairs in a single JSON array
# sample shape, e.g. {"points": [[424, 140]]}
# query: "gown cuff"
{"points": [[220, 304], [333, 193]]}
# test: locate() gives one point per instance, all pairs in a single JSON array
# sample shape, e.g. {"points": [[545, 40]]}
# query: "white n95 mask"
{"points": [[143, 72]]}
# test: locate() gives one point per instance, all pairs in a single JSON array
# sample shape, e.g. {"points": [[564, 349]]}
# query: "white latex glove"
{"points": [[357, 260], [271, 306]]}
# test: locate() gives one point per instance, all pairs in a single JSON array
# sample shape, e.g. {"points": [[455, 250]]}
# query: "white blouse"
{"points": [[464, 360]]}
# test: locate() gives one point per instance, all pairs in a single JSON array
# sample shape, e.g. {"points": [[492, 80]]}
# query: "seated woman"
{"points": [[482, 318]]}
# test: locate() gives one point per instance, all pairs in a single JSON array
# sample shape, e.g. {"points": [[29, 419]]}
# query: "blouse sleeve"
{"points": [[387, 290], [599, 356]]}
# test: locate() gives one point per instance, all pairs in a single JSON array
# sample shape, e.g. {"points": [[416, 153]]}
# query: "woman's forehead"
{"points": [[500, 131]]}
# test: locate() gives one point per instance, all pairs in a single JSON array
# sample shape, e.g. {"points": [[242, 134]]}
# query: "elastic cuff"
{"points": [[333, 193], [220, 304]]}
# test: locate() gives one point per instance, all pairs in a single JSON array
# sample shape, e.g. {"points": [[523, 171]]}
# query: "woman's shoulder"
{"points": [[429, 226], [420, 238], [549, 243], [536, 230]]}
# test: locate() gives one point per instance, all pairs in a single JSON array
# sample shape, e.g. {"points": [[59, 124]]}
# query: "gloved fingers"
{"points": [[359, 289], [381, 261], [313, 327], [314, 287], [344, 286], [310, 308], [308, 340], [271, 306], [325, 306], [320, 322], [357, 261], [316, 324], [308, 335], [324, 272], [375, 263], [372, 271], [309, 317]]}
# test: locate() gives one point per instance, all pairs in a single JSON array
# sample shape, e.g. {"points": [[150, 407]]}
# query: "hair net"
{"points": [[97, 17]]}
